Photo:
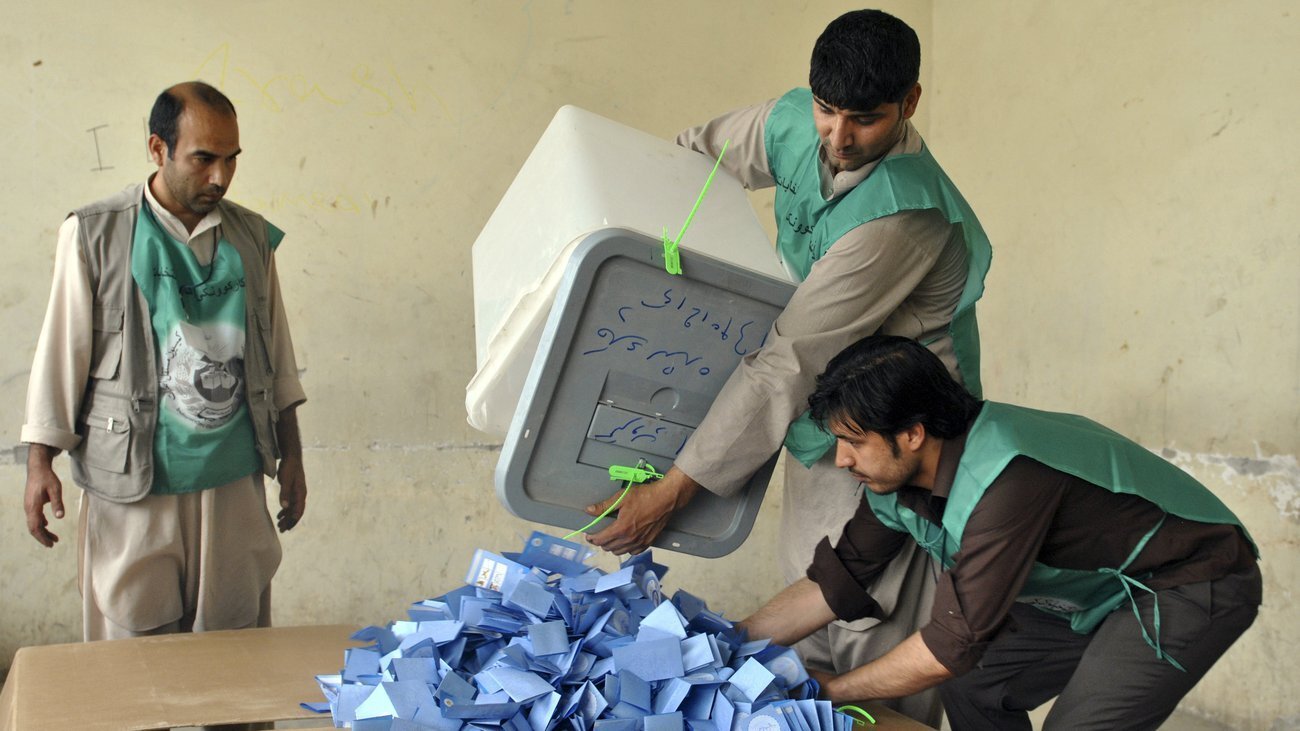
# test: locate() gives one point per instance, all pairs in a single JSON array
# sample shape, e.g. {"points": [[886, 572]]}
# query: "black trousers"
{"points": [[1108, 680]]}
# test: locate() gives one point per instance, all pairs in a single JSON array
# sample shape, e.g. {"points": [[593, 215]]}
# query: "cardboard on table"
{"points": [[237, 676]]}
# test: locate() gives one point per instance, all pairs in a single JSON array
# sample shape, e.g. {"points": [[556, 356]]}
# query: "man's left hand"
{"points": [[823, 679], [643, 514], [293, 493]]}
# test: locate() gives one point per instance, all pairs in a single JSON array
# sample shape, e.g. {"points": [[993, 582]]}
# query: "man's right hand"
{"points": [[43, 486], [644, 513]]}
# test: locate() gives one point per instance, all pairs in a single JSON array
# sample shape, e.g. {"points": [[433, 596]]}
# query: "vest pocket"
{"points": [[105, 441], [107, 353], [262, 323]]}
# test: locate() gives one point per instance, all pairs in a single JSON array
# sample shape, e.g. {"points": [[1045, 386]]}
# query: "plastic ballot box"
{"points": [[587, 173], [591, 354]]}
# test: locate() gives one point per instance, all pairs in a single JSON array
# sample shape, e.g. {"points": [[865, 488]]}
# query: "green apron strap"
{"points": [[1129, 583]]}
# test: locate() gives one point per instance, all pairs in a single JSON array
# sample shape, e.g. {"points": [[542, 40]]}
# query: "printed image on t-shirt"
{"points": [[203, 373]]}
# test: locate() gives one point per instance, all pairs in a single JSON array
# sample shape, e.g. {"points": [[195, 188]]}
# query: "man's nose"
{"points": [[839, 135], [843, 455], [220, 174]]}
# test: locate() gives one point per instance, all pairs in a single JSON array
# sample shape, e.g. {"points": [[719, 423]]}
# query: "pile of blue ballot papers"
{"points": [[539, 640]]}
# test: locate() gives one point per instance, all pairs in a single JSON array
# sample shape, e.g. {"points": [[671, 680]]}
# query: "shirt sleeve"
{"points": [[1003, 537], [63, 351], [848, 294], [746, 156], [288, 388], [844, 571]]}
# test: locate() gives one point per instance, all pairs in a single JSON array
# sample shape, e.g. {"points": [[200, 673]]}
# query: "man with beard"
{"points": [[1076, 563]]}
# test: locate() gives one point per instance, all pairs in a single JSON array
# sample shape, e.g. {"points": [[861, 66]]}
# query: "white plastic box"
{"points": [[587, 173]]}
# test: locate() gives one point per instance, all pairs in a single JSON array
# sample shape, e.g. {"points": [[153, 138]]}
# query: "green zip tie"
{"points": [[856, 722], [672, 256], [634, 475], [672, 252]]}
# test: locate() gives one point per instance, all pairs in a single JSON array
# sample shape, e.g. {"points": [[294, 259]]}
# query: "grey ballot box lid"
{"points": [[630, 360]]}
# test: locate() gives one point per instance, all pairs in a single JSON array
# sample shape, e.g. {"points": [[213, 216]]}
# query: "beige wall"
{"points": [[1135, 166], [1131, 162]]}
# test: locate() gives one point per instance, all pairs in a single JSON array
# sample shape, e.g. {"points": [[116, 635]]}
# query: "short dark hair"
{"points": [[886, 384], [164, 118], [863, 59]]}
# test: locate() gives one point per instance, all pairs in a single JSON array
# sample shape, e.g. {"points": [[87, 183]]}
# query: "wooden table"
{"points": [[238, 676]]}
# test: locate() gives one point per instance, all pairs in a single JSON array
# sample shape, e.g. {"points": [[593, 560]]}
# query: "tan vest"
{"points": [[119, 410]]}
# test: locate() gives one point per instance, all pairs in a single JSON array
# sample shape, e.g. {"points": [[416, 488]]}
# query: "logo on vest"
{"points": [[203, 373]]}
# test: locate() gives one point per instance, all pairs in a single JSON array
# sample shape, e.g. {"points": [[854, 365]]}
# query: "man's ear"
{"points": [[910, 101], [157, 149], [913, 437]]}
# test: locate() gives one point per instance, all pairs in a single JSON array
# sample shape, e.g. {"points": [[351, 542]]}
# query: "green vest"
{"points": [[1076, 446], [119, 412], [808, 225]]}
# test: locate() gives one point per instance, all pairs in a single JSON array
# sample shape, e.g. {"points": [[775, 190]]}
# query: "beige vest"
{"points": [[119, 410]]}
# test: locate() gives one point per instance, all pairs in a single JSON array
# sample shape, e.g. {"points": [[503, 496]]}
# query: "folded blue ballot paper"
{"points": [[539, 641]]}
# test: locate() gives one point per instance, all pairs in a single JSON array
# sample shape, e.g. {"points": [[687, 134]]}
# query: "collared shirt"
{"points": [[835, 184], [202, 240], [1031, 512]]}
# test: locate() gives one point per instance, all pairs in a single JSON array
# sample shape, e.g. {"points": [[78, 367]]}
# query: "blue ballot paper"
{"points": [[400, 699], [423, 669], [634, 691], [752, 679], [670, 696], [549, 638], [539, 641], [665, 722], [667, 619], [652, 660], [531, 596], [360, 662], [521, 685], [698, 653]]}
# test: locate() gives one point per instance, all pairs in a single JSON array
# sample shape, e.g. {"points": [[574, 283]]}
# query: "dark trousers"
{"points": [[1110, 679]]}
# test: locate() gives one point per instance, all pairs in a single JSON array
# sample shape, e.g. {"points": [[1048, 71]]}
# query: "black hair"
{"points": [[164, 118], [886, 384], [863, 59]]}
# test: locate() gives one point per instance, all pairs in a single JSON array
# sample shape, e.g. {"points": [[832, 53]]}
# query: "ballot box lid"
{"points": [[629, 362]]}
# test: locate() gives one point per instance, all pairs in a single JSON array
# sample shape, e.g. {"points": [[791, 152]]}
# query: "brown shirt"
{"points": [[1031, 513]]}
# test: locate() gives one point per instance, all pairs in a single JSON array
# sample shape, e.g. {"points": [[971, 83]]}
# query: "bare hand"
{"points": [[823, 679], [290, 475], [43, 486], [293, 493], [644, 513]]}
